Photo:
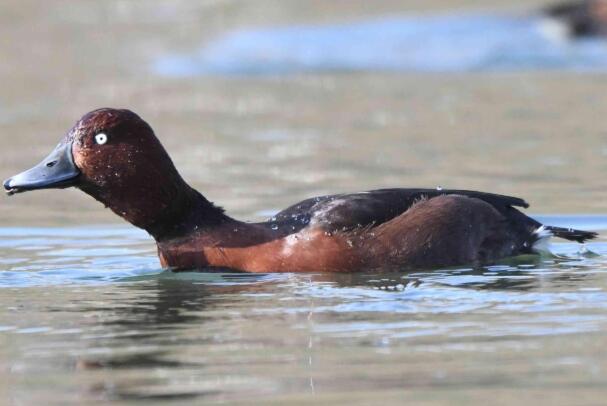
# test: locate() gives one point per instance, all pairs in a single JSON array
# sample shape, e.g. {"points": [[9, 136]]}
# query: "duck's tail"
{"points": [[569, 233]]}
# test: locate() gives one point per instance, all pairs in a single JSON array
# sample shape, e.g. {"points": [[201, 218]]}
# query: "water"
{"points": [[88, 315], [83, 255], [462, 42]]}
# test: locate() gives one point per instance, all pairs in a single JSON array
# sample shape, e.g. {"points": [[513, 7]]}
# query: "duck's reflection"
{"points": [[523, 273], [155, 319], [156, 322]]}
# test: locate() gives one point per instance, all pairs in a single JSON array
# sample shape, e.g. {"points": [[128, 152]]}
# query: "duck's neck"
{"points": [[188, 212], [165, 209]]}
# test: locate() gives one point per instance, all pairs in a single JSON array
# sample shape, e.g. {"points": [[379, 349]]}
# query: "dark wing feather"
{"points": [[348, 211]]}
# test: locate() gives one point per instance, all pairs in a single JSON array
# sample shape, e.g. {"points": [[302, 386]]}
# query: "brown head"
{"points": [[114, 156]]}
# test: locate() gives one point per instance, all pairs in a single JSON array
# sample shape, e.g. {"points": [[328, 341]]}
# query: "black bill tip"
{"points": [[8, 188], [56, 171]]}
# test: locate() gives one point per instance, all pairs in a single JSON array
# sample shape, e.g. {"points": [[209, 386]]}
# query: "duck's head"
{"points": [[114, 156]]}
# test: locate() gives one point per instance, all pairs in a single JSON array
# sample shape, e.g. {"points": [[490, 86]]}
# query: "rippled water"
{"points": [[441, 43], [49, 256], [89, 315]]}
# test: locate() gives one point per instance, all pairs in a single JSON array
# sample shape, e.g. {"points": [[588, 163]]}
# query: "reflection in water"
{"points": [[439, 43], [157, 321], [174, 322]]}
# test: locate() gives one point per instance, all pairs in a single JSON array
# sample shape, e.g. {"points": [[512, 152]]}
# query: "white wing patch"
{"points": [[543, 236]]}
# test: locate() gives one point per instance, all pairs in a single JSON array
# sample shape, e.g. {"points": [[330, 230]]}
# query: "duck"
{"points": [[581, 19], [114, 156]]}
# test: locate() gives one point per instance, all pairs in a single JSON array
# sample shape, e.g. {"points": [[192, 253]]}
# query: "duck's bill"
{"points": [[56, 171]]}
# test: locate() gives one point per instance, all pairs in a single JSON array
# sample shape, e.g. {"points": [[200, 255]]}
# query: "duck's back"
{"points": [[343, 212], [424, 227]]}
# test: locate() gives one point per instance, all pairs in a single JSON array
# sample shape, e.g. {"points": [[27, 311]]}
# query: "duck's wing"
{"points": [[345, 212]]}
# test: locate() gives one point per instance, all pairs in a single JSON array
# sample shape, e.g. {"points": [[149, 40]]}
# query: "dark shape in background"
{"points": [[583, 19], [561, 37]]}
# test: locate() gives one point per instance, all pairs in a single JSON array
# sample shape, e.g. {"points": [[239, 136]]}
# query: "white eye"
{"points": [[101, 138]]}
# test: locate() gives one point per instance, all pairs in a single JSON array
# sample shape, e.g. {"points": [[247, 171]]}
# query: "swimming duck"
{"points": [[587, 18], [114, 156]]}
